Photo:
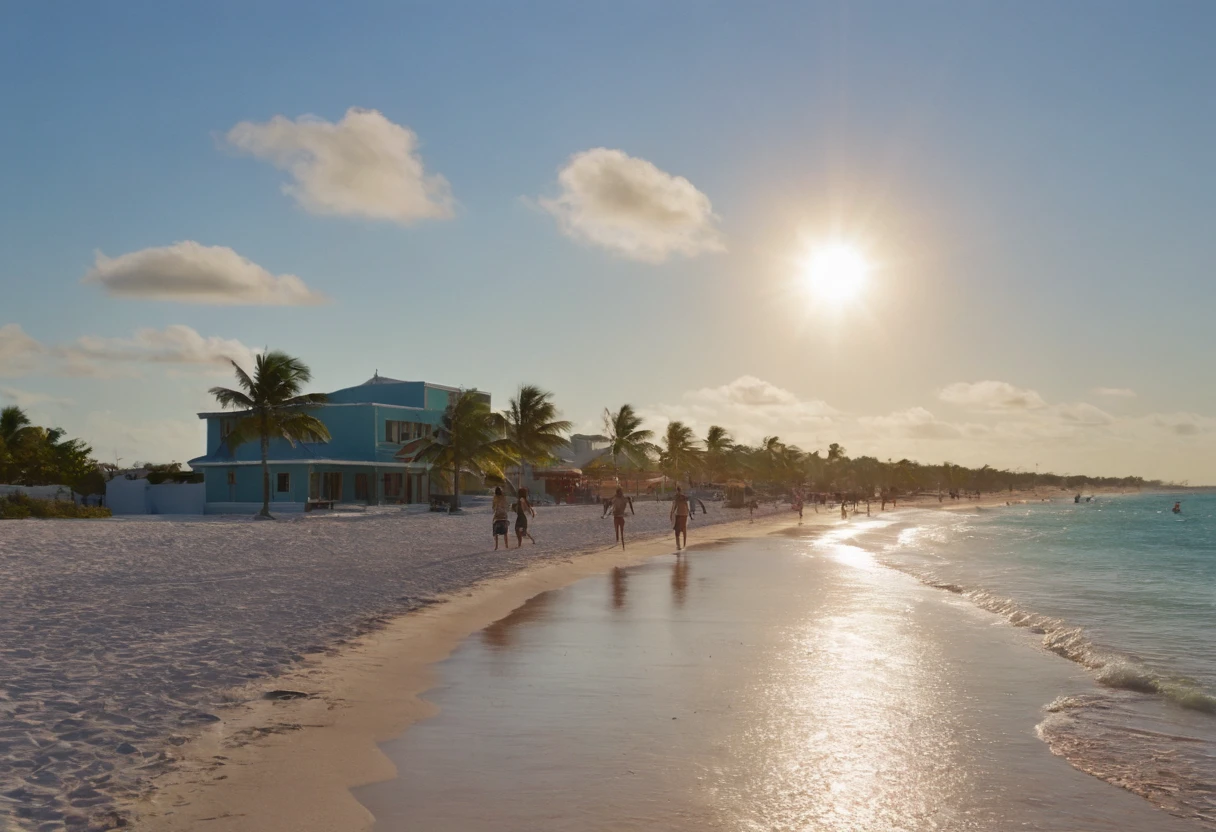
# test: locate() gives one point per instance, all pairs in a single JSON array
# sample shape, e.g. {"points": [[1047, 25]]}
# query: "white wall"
{"points": [[124, 496]]}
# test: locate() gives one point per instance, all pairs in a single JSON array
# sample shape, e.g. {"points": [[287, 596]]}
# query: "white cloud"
{"points": [[1083, 414], [749, 407], [1183, 424], [179, 345], [194, 273], [632, 208], [19, 352], [991, 396], [363, 166], [27, 399], [1115, 392], [913, 423]]}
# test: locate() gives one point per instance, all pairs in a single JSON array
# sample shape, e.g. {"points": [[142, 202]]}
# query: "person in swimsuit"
{"points": [[679, 516], [618, 504], [522, 509], [499, 506]]}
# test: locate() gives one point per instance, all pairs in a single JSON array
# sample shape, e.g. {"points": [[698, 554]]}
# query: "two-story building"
{"points": [[368, 425]]}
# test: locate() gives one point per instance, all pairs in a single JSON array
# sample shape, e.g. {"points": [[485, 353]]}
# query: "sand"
{"points": [[289, 765]]}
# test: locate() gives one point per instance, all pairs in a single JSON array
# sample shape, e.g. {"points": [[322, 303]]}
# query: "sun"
{"points": [[835, 273]]}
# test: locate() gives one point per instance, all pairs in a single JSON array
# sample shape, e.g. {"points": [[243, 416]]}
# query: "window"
{"points": [[283, 483], [401, 432], [361, 486], [393, 484], [231, 477], [227, 425]]}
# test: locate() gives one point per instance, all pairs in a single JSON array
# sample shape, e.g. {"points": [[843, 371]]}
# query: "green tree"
{"points": [[534, 428], [272, 405], [679, 454], [627, 438], [471, 440], [718, 447]]}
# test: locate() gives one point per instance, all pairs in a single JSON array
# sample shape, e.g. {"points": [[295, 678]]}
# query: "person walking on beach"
{"points": [[844, 511], [522, 509], [618, 504], [499, 506], [679, 516], [798, 504]]}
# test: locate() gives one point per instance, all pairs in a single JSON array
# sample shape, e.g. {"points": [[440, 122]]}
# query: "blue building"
{"points": [[368, 425]]}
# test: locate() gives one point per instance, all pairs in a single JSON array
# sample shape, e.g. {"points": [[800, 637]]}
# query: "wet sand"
{"points": [[764, 684]]}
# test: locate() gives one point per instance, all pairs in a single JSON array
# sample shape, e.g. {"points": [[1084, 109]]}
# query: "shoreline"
{"points": [[291, 764]]}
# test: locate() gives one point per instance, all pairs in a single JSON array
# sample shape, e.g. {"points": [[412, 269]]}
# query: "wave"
{"points": [[1111, 669]]}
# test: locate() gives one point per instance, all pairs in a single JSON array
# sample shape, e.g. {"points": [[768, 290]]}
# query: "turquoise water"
{"points": [[1122, 587]]}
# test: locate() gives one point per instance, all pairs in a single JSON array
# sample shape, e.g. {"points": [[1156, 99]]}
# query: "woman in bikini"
{"points": [[522, 509]]}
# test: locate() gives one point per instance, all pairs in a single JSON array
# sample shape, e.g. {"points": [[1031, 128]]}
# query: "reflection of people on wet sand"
{"points": [[618, 588], [618, 504], [679, 516], [522, 509], [679, 581]]}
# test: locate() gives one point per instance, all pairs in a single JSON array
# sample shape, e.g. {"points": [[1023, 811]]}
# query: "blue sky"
{"points": [[1032, 181]]}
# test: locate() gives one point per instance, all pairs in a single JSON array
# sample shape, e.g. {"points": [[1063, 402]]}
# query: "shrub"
{"points": [[21, 506]]}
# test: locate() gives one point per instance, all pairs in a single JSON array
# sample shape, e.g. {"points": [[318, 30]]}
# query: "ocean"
{"points": [[1037, 666], [1121, 586]]}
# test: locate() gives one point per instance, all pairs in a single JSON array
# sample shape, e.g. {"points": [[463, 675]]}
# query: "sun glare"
{"points": [[835, 274]]}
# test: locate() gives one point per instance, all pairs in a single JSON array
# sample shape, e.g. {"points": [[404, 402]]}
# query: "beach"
{"points": [[193, 622]]}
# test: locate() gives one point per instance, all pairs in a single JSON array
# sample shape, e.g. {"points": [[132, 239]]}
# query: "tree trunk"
{"points": [[265, 476], [456, 486]]}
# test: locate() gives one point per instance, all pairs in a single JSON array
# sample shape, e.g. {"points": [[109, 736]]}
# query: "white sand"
{"points": [[119, 639]]}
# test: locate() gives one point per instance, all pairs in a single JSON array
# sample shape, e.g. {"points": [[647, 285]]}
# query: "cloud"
{"points": [[1115, 392], [96, 357], [749, 407], [19, 353], [632, 208], [26, 399], [913, 423], [991, 396], [363, 166], [190, 272], [1083, 414], [1183, 424]]}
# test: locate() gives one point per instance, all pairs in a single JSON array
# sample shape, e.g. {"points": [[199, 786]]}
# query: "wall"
{"points": [[124, 496]]}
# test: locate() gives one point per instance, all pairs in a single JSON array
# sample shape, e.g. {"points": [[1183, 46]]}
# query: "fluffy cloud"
{"points": [[991, 396], [914, 423], [193, 273], [179, 345], [363, 166], [1115, 392], [749, 407], [19, 353], [632, 208]]}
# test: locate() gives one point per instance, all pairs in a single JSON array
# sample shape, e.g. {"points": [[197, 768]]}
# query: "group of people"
{"points": [[682, 508]]}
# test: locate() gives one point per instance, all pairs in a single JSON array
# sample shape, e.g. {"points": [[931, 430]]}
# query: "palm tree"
{"points": [[272, 406], [533, 426], [472, 440], [12, 422], [627, 438], [771, 455], [718, 445], [680, 453]]}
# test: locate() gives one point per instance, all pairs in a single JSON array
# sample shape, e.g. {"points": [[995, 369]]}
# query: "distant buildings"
{"points": [[368, 425]]}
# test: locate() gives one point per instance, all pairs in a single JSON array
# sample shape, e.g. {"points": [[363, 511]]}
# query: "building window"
{"points": [[227, 425], [231, 477], [401, 432], [393, 484], [282, 483], [361, 486]]}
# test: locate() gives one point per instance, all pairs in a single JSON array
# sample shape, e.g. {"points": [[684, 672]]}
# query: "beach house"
{"points": [[368, 425]]}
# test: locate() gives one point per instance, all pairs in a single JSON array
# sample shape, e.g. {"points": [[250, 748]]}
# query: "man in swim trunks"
{"points": [[499, 506], [679, 516], [522, 509], [618, 503]]}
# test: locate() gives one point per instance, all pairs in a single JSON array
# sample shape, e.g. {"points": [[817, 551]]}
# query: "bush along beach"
{"points": [[21, 506]]}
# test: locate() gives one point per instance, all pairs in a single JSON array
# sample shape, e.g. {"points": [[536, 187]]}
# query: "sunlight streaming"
{"points": [[835, 274]]}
